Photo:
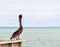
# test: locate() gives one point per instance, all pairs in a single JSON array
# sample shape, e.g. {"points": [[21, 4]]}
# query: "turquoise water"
{"points": [[35, 37]]}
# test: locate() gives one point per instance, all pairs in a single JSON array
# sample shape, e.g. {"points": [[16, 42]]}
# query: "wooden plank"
{"points": [[19, 44], [11, 41], [0, 45], [15, 44], [4, 45], [10, 44]]}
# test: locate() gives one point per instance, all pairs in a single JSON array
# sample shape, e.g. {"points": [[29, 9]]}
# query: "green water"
{"points": [[35, 37]]}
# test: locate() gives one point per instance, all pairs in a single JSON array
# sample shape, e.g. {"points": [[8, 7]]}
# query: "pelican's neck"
{"points": [[20, 21]]}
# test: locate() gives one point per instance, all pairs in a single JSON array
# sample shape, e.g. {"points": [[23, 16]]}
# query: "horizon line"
{"points": [[30, 27]]}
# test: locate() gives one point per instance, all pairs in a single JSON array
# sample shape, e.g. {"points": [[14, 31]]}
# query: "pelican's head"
{"points": [[20, 16]]}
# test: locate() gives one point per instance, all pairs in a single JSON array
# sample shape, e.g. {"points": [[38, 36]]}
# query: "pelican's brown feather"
{"points": [[20, 30]]}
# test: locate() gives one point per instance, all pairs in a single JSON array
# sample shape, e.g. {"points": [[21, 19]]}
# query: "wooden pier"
{"points": [[11, 43]]}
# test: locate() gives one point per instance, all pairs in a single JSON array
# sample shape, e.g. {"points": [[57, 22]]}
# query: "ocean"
{"points": [[35, 37]]}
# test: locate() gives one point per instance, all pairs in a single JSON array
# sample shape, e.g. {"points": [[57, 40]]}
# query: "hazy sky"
{"points": [[36, 13]]}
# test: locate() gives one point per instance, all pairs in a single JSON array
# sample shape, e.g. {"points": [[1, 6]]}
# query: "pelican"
{"points": [[17, 33]]}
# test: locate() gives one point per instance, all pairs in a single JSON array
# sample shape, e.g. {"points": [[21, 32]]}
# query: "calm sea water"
{"points": [[35, 37]]}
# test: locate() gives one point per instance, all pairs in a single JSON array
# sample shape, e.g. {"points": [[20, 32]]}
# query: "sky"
{"points": [[36, 13]]}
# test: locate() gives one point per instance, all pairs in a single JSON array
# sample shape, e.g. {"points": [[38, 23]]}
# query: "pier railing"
{"points": [[11, 43]]}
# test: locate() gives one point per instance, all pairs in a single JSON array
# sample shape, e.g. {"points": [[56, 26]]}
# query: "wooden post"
{"points": [[0, 45], [11, 45], [19, 44]]}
